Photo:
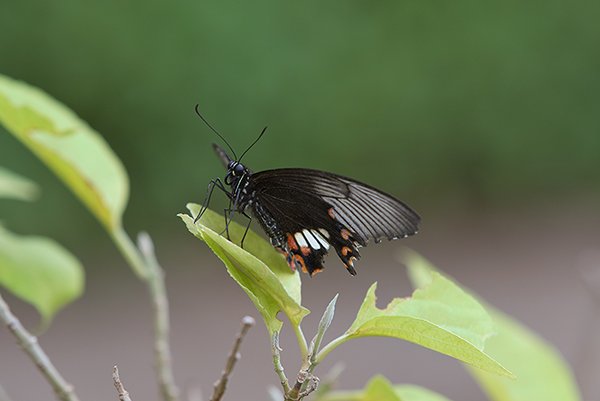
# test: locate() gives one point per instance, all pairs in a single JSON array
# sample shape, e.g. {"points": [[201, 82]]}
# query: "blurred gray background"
{"points": [[483, 117]]}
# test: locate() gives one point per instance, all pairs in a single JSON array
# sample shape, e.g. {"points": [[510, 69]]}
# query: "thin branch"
{"points": [[160, 305], [123, 394], [276, 351], [305, 384], [64, 391], [313, 384], [233, 357]]}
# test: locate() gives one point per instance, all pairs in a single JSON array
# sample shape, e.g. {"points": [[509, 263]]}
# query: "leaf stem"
{"points": [[330, 347], [301, 341], [64, 391], [129, 252]]}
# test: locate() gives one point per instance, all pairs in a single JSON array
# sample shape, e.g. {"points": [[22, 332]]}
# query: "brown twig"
{"points": [[155, 279], [123, 394], [233, 357], [305, 384], [64, 391]]}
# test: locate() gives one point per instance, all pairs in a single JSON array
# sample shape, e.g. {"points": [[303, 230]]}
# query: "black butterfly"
{"points": [[305, 212]]}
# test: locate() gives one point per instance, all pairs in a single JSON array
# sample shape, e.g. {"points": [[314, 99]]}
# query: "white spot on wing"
{"points": [[300, 239], [314, 243], [320, 238]]}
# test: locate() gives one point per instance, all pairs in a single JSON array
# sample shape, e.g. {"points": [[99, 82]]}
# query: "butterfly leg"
{"points": [[247, 228], [229, 212], [209, 191]]}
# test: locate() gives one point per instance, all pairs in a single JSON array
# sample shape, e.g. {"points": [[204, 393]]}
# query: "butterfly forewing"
{"points": [[311, 207]]}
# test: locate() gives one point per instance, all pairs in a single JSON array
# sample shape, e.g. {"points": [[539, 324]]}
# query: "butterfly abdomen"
{"points": [[269, 224]]}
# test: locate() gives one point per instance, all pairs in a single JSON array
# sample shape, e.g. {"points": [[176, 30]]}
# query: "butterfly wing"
{"points": [[313, 207]]}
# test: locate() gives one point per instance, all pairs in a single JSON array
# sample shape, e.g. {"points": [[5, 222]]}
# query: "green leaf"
{"points": [[16, 187], [68, 146], [410, 392], [39, 271], [541, 373], [261, 272], [440, 316], [380, 389]]}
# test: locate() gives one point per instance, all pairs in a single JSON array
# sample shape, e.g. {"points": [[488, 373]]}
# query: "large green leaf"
{"points": [[74, 151], [39, 271], [380, 389], [439, 316], [541, 372], [257, 268], [16, 187]]}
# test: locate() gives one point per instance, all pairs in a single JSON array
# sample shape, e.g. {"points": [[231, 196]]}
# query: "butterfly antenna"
{"points": [[197, 109], [253, 143]]}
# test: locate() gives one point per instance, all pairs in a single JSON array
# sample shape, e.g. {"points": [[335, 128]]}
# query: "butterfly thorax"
{"points": [[243, 196], [238, 178]]}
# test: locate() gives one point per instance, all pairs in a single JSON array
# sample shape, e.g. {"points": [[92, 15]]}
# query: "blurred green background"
{"points": [[483, 116], [468, 105]]}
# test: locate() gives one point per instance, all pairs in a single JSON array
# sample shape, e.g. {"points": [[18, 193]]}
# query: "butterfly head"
{"points": [[235, 171]]}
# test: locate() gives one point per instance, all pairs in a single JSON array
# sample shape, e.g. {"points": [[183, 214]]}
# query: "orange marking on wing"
{"points": [[292, 242], [331, 213], [316, 270], [299, 260], [290, 262], [345, 234]]}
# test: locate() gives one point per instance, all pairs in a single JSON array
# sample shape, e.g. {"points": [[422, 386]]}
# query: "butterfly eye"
{"points": [[238, 169]]}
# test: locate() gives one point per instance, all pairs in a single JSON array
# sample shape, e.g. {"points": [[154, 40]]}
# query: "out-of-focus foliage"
{"points": [[541, 373], [380, 389], [14, 186], [39, 271], [35, 269], [480, 102], [68, 146]]}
